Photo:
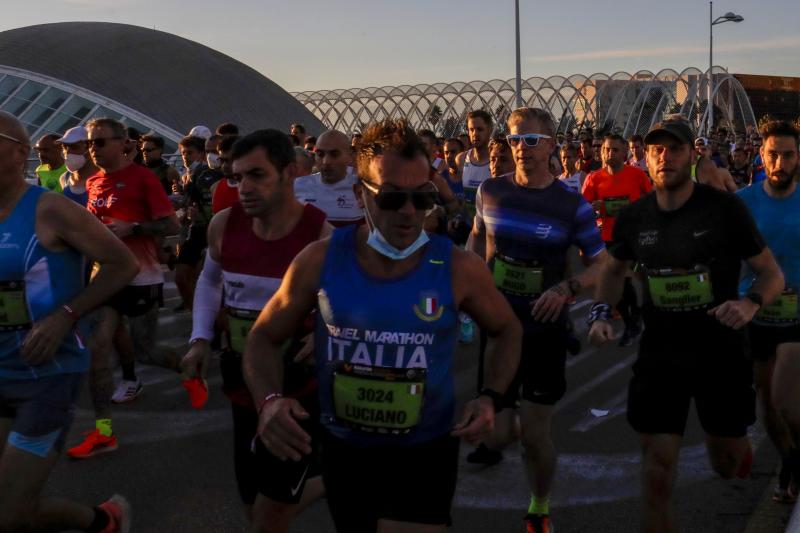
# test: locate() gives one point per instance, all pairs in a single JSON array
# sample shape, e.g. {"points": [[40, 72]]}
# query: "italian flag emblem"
{"points": [[428, 308]]}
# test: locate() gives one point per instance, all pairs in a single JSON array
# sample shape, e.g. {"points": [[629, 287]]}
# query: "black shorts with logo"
{"points": [[260, 472], [413, 483], [764, 340], [715, 372], [542, 363], [136, 300]]}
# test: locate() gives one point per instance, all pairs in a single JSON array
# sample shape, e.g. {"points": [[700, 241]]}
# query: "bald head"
{"points": [[49, 152], [9, 125], [14, 150], [333, 155]]}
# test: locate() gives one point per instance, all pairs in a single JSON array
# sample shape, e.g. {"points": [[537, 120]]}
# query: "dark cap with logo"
{"points": [[677, 128]]}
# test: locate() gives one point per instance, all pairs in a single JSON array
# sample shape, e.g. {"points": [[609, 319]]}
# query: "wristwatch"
{"points": [[496, 397], [137, 229], [755, 298]]}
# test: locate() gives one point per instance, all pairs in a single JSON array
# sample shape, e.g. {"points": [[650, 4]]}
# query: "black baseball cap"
{"points": [[679, 129]]}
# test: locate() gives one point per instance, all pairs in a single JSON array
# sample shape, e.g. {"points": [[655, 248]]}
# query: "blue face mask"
{"points": [[378, 242]]}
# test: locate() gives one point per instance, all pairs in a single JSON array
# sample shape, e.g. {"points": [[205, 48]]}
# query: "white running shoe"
{"points": [[127, 391]]}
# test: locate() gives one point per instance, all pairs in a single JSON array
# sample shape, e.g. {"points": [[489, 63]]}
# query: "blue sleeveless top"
{"points": [[79, 198], [405, 323], [34, 283]]}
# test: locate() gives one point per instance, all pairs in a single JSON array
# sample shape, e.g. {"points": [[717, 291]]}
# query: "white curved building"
{"points": [[621, 102]]}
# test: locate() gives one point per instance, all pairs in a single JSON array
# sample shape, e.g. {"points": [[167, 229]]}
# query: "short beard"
{"points": [[781, 184]]}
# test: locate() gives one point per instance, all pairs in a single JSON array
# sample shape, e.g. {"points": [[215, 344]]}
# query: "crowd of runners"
{"points": [[331, 279]]}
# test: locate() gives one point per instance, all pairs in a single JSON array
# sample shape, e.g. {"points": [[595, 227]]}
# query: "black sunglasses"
{"points": [[100, 142], [394, 200]]}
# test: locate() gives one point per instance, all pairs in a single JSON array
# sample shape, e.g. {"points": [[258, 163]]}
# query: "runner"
{"points": [[473, 164], [636, 149], [775, 330], [572, 176], [225, 192], [473, 168], [79, 166], [501, 160], [130, 201], [740, 169], [609, 190], [387, 296], [42, 357], [52, 162], [524, 226], [152, 154], [706, 171], [250, 247], [689, 240], [197, 183], [331, 189]]}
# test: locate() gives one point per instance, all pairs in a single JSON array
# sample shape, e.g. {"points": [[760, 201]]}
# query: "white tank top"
{"points": [[472, 177]]}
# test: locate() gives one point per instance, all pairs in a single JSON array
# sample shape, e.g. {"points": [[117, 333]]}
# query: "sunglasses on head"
{"points": [[530, 139], [100, 142], [391, 200]]}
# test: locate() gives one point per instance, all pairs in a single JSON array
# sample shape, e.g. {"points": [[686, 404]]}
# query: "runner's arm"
{"points": [[263, 364], [476, 242], [63, 224], [476, 295], [207, 302]]}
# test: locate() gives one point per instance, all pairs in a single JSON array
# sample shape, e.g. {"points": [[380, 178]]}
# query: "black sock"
{"points": [[128, 372], [100, 521]]}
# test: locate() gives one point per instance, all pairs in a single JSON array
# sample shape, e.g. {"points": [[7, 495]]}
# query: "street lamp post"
{"points": [[519, 67], [727, 17]]}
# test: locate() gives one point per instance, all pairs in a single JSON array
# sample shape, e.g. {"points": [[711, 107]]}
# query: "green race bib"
{"points": [[516, 278], [672, 291], [378, 399], [614, 204], [239, 323], [783, 309], [14, 315]]}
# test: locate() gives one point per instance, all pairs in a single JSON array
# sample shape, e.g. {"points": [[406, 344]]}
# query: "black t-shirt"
{"points": [[705, 239]]}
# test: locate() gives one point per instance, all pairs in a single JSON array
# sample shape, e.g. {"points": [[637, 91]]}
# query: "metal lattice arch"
{"points": [[621, 102]]}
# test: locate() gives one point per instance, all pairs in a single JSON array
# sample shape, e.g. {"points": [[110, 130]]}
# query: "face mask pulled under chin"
{"points": [[213, 161], [378, 242], [74, 162]]}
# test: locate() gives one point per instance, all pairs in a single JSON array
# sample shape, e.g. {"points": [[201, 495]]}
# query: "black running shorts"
{"points": [[413, 483], [764, 340]]}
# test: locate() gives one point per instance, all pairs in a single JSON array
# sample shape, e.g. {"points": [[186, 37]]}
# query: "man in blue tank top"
{"points": [[524, 226], [44, 239], [388, 297], [775, 330]]}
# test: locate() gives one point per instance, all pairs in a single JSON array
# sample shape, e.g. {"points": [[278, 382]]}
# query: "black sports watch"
{"points": [[755, 298], [496, 397]]}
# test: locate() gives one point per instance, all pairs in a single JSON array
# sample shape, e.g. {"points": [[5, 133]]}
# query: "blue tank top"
{"points": [[78, 198], [34, 282], [374, 334]]}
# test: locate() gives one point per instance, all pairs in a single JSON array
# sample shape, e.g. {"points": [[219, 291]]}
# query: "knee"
{"points": [[658, 472], [536, 444]]}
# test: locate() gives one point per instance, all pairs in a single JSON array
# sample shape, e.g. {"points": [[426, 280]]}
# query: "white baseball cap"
{"points": [[74, 135], [200, 131]]}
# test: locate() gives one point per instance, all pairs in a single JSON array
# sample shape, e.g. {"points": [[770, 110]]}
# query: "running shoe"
{"points": [[538, 523], [127, 391], [119, 514], [484, 456], [785, 490], [93, 444]]}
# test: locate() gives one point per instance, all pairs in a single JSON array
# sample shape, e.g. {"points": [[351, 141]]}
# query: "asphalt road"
{"points": [[175, 463]]}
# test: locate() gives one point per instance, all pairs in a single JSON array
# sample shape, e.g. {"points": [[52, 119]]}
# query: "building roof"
{"points": [[177, 82]]}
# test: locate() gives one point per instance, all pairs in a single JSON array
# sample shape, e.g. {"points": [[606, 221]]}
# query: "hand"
{"points": [[307, 349], [601, 332], [280, 432], [120, 228], [477, 422], [548, 306], [44, 338], [196, 361], [735, 313]]}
